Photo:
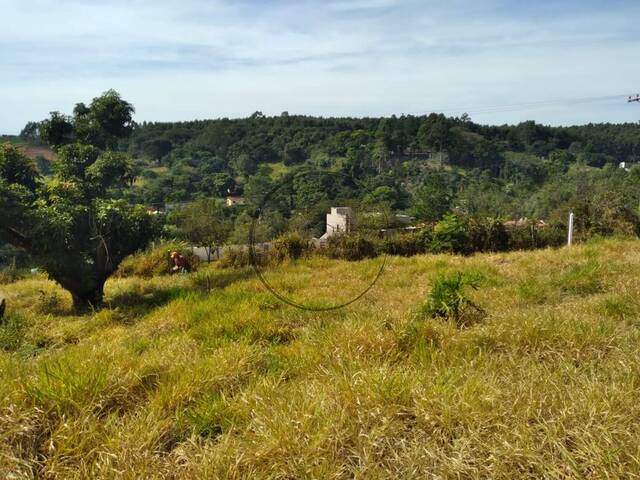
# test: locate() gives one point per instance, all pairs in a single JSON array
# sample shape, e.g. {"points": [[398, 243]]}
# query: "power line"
{"points": [[482, 109]]}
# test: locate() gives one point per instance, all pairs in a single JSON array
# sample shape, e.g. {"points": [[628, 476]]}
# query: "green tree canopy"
{"points": [[69, 224]]}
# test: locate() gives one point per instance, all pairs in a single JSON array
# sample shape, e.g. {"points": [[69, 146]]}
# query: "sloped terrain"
{"points": [[208, 375]]}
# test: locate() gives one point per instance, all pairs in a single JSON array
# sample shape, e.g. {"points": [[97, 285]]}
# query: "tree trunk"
{"points": [[86, 296], [88, 300]]}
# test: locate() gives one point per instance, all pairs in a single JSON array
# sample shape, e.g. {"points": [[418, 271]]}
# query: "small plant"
{"points": [[448, 298]]}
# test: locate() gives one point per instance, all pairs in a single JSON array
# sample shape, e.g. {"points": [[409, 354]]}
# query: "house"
{"points": [[339, 220], [234, 200]]}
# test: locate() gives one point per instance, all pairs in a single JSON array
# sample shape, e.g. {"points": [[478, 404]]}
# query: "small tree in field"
{"points": [[204, 223], [70, 225]]}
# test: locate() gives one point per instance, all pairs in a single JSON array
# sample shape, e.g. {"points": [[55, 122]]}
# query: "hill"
{"points": [[176, 381]]}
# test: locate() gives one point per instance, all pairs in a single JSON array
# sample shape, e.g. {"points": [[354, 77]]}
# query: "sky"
{"points": [[557, 62]]}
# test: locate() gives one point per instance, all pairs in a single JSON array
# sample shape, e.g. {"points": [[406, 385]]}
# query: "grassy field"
{"points": [[175, 380]]}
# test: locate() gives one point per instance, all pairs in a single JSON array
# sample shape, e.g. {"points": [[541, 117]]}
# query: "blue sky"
{"points": [[557, 62]]}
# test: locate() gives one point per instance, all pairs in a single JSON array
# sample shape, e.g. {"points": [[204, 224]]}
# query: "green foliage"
{"points": [[488, 235], [71, 225], [407, 244], [15, 168], [451, 235], [240, 257], [350, 247], [204, 223], [448, 298], [155, 260], [434, 198], [289, 246]]}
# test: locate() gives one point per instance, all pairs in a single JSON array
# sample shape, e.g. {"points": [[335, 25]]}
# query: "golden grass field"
{"points": [[173, 381]]}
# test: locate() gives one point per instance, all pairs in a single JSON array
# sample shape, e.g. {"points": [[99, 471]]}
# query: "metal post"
{"points": [[570, 234]]}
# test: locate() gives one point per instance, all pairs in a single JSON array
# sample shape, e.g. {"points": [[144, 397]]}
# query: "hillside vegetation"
{"points": [[209, 376]]}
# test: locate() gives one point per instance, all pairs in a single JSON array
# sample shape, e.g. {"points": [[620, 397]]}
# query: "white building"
{"points": [[339, 220]]}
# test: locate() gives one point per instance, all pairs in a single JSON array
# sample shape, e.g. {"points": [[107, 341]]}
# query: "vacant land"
{"points": [[207, 375]]}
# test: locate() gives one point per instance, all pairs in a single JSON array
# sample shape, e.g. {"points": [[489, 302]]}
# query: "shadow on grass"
{"points": [[143, 299], [140, 301], [208, 280]]}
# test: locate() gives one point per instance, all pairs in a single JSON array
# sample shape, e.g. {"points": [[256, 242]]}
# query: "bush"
{"points": [[408, 244], [449, 300], [240, 257], [350, 247], [155, 261], [554, 235], [533, 236], [487, 235], [450, 235], [289, 246]]}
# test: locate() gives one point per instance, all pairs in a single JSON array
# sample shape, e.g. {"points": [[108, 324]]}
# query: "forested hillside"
{"points": [[428, 167], [428, 164]]}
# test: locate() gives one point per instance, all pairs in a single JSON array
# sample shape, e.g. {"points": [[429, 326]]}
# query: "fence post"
{"points": [[570, 233]]}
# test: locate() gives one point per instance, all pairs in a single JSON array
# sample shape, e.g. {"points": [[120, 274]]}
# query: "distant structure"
{"points": [[339, 221], [634, 99], [626, 165], [235, 200]]}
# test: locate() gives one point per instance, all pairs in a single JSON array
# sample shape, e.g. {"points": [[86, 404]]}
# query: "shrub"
{"points": [[240, 257], [408, 244], [487, 235], [350, 247], [450, 235], [554, 235], [289, 246], [448, 298], [155, 261], [523, 238], [532, 236]]}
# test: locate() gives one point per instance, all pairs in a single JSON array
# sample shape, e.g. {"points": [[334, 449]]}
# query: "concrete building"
{"points": [[339, 220]]}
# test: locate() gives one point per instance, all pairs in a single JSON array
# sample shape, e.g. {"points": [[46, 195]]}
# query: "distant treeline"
{"points": [[426, 166]]}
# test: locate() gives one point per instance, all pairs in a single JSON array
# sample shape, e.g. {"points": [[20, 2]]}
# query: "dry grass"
{"points": [[208, 376]]}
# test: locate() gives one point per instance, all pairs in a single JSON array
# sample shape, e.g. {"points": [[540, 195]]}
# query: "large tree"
{"points": [[69, 224]]}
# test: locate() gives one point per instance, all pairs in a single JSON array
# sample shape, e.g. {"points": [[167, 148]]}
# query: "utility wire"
{"points": [[480, 109]]}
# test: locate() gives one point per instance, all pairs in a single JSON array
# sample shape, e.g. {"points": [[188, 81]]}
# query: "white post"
{"points": [[570, 234]]}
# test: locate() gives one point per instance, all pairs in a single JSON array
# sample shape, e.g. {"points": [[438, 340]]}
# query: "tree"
{"points": [[434, 198], [70, 225], [31, 132], [205, 224], [105, 121], [57, 129]]}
